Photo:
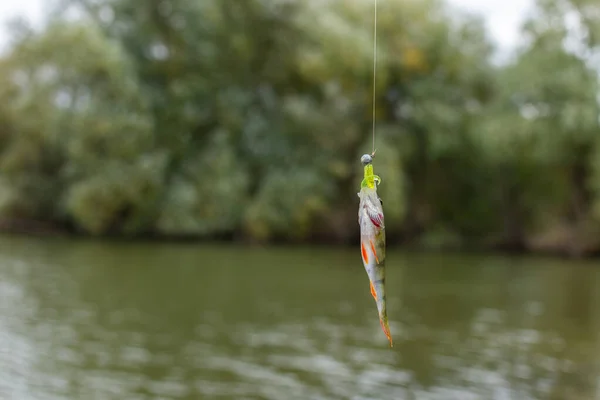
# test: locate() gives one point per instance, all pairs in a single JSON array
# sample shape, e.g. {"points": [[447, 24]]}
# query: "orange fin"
{"points": [[363, 251], [373, 250], [373, 293], [387, 332]]}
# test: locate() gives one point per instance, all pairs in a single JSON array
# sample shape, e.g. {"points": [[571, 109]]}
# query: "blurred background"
{"points": [[182, 177]]}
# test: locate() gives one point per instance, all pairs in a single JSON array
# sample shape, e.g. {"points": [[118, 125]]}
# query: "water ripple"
{"points": [[80, 321]]}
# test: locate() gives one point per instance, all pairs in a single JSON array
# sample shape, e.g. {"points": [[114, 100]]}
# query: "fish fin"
{"points": [[374, 252], [377, 247], [376, 217], [386, 330], [364, 253], [373, 292]]}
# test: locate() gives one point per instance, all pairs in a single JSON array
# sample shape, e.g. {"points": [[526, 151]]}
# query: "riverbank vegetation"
{"points": [[247, 119]]}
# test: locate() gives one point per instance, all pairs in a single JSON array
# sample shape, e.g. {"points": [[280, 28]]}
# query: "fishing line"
{"points": [[374, 68]]}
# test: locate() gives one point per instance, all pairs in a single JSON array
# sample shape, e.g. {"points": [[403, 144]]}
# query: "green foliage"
{"points": [[211, 118], [208, 194], [543, 128], [80, 134]]}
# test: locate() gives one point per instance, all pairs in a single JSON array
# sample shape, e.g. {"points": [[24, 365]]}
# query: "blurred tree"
{"points": [[221, 117], [80, 140], [433, 79], [543, 132]]}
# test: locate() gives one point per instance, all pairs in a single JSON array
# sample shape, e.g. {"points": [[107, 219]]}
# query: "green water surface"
{"points": [[92, 320]]}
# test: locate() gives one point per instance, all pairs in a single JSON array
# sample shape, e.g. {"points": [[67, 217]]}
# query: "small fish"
{"points": [[372, 239]]}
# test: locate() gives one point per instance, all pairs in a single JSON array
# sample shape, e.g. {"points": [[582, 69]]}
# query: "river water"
{"points": [[96, 320]]}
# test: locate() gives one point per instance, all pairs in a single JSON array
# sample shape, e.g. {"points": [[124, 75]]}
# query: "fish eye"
{"points": [[366, 159], [381, 201]]}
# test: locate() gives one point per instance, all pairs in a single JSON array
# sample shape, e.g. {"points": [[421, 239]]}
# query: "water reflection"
{"points": [[83, 320]]}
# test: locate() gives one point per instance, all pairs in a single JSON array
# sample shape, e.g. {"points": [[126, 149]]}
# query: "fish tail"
{"points": [[383, 320], [386, 329], [378, 293]]}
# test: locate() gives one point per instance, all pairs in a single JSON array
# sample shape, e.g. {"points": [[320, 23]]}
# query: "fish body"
{"points": [[372, 242]]}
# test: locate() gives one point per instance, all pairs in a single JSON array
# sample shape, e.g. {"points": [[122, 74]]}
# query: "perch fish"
{"points": [[372, 239]]}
